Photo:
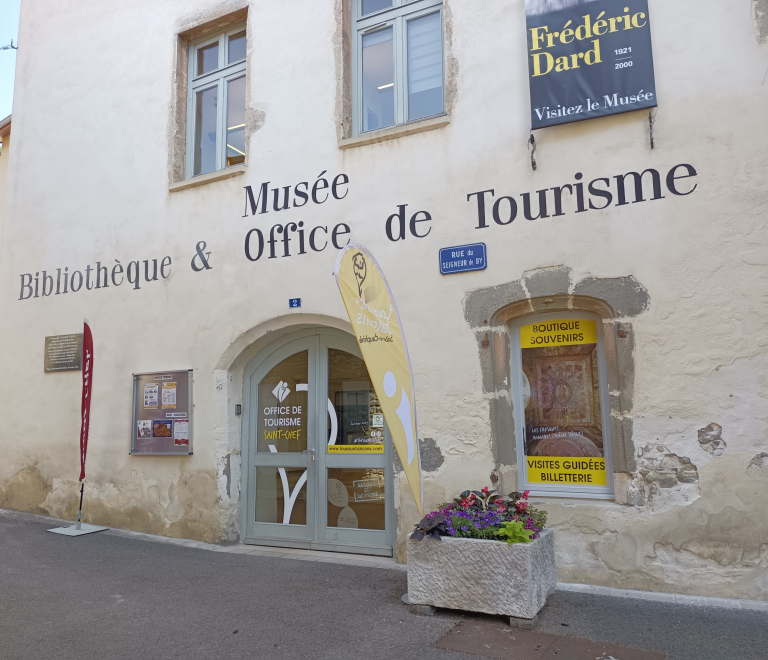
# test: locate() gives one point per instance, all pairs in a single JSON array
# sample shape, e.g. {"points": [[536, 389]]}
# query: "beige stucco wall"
{"points": [[89, 182], [5, 138]]}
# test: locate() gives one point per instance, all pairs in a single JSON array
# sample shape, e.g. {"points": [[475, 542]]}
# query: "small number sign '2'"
{"points": [[294, 302]]}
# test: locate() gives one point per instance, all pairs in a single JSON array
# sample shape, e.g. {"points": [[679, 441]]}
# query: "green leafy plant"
{"points": [[515, 532]]}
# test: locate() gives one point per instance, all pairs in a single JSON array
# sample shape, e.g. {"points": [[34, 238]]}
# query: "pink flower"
{"points": [[485, 490], [525, 494]]}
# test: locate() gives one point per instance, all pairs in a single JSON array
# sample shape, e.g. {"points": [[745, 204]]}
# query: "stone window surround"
{"points": [[395, 132], [214, 19], [491, 311]]}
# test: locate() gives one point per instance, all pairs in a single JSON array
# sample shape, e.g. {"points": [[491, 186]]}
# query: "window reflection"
{"points": [[425, 66], [236, 47], [357, 423], [282, 415], [207, 58], [205, 130], [236, 121], [356, 498], [378, 80], [370, 6], [281, 495]]}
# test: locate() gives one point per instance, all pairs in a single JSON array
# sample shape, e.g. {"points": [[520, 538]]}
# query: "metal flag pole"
{"points": [[80, 510]]}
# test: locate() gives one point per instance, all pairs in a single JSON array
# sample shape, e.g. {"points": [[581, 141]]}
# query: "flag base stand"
{"points": [[79, 528], [85, 528]]}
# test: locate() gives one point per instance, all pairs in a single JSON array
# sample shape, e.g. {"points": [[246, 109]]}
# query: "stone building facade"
{"points": [[186, 255]]}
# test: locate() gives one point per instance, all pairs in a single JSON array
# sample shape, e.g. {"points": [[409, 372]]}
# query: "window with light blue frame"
{"points": [[216, 102], [397, 62]]}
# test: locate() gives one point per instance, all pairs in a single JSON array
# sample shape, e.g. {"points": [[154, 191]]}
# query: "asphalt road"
{"points": [[107, 596], [683, 632]]}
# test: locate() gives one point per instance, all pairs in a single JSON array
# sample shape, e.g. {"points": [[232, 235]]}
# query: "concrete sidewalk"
{"points": [[121, 595]]}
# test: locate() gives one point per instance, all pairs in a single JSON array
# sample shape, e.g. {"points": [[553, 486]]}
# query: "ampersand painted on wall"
{"points": [[203, 256]]}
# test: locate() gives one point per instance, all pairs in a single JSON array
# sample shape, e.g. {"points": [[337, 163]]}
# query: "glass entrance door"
{"points": [[319, 456], [281, 445], [355, 461]]}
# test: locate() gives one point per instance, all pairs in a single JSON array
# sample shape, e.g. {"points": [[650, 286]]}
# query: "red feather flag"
{"points": [[85, 407]]}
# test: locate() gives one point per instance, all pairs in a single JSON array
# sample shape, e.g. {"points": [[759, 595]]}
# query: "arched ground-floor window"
{"points": [[561, 405]]}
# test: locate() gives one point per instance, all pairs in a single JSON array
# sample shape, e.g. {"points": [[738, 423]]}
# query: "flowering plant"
{"points": [[484, 515]]}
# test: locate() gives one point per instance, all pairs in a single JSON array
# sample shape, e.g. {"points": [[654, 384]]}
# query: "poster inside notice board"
{"points": [[588, 58], [162, 413]]}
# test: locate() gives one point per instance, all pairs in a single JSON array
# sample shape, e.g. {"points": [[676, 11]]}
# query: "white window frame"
{"points": [[219, 77], [584, 492], [396, 17]]}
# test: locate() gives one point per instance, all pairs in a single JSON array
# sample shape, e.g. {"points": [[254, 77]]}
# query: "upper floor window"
{"points": [[398, 62], [216, 102]]}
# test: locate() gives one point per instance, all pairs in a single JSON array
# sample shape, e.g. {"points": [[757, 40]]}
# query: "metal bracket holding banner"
{"points": [[532, 149], [651, 122]]}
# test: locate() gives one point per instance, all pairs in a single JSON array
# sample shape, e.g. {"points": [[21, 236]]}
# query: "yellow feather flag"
{"points": [[379, 333]]}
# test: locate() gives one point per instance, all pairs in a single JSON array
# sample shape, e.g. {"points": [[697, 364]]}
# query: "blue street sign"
{"points": [[463, 258], [294, 302]]}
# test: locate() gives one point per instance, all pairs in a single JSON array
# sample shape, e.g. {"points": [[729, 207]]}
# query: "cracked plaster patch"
{"points": [[255, 119], [430, 454], [758, 462], [710, 439], [666, 479]]}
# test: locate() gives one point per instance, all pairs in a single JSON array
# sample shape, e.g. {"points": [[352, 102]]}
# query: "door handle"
{"points": [[311, 452]]}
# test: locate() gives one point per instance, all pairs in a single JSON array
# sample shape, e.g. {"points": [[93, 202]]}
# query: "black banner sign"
{"points": [[588, 58]]}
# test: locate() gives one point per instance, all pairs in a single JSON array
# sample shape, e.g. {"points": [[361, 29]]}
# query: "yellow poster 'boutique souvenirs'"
{"points": [[563, 425]]}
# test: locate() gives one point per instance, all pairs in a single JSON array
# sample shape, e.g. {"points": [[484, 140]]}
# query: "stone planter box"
{"points": [[482, 576]]}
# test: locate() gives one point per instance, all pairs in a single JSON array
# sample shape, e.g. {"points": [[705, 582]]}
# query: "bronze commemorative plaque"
{"points": [[63, 353]]}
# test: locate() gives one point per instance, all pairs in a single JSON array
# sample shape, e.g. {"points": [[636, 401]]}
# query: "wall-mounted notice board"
{"points": [[162, 413]]}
